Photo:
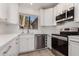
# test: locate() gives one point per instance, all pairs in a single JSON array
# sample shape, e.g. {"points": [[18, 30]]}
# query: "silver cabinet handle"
{"points": [[7, 50]]}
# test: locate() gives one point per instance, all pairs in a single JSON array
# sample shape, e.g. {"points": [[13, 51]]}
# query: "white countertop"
{"points": [[5, 38], [74, 38]]}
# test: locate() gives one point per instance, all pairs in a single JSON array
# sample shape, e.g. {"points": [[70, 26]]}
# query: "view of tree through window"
{"points": [[28, 22]]}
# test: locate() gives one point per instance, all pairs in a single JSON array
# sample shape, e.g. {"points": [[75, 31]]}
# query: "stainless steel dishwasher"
{"points": [[40, 41]]}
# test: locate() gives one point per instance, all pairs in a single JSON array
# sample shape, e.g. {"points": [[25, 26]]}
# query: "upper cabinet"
{"points": [[13, 15], [76, 5], [47, 17], [65, 11], [41, 17], [3, 11]]}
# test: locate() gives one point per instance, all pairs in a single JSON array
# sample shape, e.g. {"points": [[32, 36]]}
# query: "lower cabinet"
{"points": [[73, 48], [10, 49], [26, 43], [18, 45]]}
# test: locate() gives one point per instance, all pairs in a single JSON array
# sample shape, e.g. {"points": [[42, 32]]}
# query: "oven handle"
{"points": [[64, 39]]}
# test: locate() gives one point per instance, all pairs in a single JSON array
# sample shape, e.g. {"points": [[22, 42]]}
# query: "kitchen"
{"points": [[27, 29]]}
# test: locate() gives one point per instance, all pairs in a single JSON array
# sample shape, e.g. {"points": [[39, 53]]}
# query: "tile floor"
{"points": [[43, 52]]}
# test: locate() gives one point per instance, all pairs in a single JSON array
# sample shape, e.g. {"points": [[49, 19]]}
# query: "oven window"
{"points": [[60, 45]]}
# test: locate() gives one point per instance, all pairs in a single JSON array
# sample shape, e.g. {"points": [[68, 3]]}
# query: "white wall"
{"points": [[6, 28], [68, 25], [49, 30], [28, 11]]}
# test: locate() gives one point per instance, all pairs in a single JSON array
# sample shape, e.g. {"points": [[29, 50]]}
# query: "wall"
{"points": [[28, 11], [7, 28], [68, 25], [49, 30]]}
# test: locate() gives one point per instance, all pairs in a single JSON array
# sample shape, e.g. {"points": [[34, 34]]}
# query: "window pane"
{"points": [[29, 22]]}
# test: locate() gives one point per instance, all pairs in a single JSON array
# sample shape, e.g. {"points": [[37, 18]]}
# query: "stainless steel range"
{"points": [[60, 41]]}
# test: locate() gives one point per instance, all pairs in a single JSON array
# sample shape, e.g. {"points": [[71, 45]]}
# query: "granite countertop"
{"points": [[5, 38], [74, 38]]}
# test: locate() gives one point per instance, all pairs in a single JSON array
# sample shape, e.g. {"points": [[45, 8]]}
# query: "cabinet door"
{"points": [[3, 11], [48, 18], [41, 17], [24, 45], [76, 16], [73, 49], [13, 15], [31, 44]]}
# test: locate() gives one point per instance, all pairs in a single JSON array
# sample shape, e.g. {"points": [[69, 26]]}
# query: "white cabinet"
{"points": [[13, 15], [26, 43], [9, 13], [23, 45], [31, 44], [47, 17], [73, 46], [73, 49], [41, 17], [3, 11], [76, 16]]}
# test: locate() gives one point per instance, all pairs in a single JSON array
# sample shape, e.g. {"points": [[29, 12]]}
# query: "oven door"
{"points": [[60, 44]]}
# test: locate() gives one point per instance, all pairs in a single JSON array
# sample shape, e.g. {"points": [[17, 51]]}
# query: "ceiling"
{"points": [[37, 5]]}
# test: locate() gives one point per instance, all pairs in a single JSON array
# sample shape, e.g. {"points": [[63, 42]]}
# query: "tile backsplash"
{"points": [[68, 25], [8, 28]]}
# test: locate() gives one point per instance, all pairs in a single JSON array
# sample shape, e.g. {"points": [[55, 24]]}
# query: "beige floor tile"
{"points": [[44, 52]]}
